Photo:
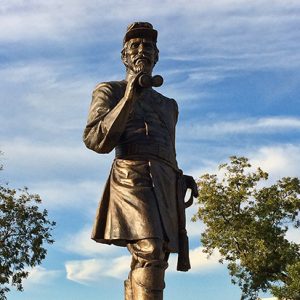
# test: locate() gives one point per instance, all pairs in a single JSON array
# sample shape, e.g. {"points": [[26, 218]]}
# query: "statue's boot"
{"points": [[128, 289], [148, 283]]}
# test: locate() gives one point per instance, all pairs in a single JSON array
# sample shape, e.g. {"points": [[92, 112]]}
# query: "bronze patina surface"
{"points": [[142, 206]]}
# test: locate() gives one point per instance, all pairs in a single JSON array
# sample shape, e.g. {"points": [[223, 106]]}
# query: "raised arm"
{"points": [[108, 115]]}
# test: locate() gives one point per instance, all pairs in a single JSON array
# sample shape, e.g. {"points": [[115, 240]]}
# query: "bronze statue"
{"points": [[142, 206]]}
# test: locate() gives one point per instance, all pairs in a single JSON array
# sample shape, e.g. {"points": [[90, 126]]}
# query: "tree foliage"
{"points": [[24, 229], [247, 222]]}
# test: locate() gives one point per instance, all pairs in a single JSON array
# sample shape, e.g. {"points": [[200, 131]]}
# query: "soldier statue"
{"points": [[142, 207]]}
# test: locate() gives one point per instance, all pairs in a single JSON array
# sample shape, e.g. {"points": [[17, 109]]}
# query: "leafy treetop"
{"points": [[24, 229], [247, 223]]}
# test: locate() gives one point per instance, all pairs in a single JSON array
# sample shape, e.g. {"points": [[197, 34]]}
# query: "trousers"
{"points": [[149, 262]]}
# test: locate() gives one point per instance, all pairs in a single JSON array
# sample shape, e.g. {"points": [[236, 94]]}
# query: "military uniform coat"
{"points": [[139, 198]]}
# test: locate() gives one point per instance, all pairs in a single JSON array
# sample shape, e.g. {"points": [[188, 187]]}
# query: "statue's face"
{"points": [[141, 55]]}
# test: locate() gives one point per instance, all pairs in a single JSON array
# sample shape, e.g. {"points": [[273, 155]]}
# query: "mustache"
{"points": [[141, 56]]}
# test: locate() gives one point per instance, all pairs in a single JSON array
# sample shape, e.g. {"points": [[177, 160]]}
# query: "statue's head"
{"points": [[140, 52]]}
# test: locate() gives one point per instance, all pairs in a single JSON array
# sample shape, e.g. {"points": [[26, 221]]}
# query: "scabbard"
{"points": [[183, 262]]}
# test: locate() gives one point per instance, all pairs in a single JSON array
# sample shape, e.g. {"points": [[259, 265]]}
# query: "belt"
{"points": [[125, 150]]}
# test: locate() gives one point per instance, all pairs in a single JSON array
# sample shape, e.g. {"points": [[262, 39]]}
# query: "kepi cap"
{"points": [[140, 29]]}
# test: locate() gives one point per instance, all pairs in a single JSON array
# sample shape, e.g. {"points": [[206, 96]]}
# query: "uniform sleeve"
{"points": [[106, 120]]}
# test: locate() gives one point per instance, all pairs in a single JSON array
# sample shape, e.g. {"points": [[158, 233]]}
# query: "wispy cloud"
{"points": [[59, 195], [279, 160], [89, 270], [200, 262], [55, 95], [219, 129], [242, 27], [41, 276], [64, 176], [293, 235], [46, 158], [82, 244], [83, 271], [46, 98]]}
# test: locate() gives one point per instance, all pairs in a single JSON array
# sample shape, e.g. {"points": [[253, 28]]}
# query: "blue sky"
{"points": [[232, 66]]}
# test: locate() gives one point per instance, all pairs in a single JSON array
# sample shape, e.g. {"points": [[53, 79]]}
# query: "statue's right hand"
{"points": [[132, 88]]}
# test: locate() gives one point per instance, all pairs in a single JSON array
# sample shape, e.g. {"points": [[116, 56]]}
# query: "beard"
{"points": [[141, 65]]}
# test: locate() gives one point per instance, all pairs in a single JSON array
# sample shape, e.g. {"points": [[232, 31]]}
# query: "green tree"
{"points": [[247, 223], [24, 229]]}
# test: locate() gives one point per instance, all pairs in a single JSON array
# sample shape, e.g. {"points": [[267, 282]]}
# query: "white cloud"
{"points": [[46, 90], [279, 161], [49, 102], [22, 73], [51, 20], [199, 261], [26, 151], [194, 229], [82, 244], [83, 271], [293, 235], [41, 276], [218, 129], [120, 267], [90, 270], [41, 157], [243, 27], [63, 175], [83, 195]]}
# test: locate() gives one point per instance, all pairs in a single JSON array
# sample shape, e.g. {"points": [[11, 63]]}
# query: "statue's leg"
{"points": [[147, 269], [128, 288]]}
